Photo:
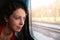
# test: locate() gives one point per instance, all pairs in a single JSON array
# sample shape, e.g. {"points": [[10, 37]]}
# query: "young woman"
{"points": [[14, 18]]}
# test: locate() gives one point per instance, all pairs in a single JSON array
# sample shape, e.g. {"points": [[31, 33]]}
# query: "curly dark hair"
{"points": [[9, 7]]}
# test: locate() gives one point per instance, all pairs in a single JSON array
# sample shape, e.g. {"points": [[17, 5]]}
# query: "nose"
{"points": [[21, 21]]}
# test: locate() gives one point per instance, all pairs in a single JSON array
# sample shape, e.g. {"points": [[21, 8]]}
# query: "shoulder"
{"points": [[1, 28]]}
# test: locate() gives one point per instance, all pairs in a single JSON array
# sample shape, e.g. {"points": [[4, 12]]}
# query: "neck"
{"points": [[7, 32]]}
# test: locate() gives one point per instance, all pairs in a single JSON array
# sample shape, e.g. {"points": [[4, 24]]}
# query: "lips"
{"points": [[18, 27]]}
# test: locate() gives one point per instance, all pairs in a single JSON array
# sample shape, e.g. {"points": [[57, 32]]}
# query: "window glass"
{"points": [[46, 19]]}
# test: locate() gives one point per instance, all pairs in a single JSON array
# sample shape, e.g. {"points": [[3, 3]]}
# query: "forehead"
{"points": [[19, 12]]}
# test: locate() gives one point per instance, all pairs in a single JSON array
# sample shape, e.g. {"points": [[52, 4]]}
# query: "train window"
{"points": [[45, 19]]}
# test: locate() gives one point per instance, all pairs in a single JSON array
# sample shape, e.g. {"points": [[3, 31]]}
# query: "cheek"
{"points": [[13, 24]]}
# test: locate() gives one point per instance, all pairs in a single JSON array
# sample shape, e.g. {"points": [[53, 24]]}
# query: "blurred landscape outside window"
{"points": [[45, 20], [46, 11]]}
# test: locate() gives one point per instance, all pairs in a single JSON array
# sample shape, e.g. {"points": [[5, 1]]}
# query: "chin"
{"points": [[18, 30]]}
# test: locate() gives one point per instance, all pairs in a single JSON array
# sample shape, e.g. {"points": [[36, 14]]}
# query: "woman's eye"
{"points": [[17, 18]]}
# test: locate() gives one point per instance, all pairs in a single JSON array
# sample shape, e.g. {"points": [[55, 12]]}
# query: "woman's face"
{"points": [[16, 20]]}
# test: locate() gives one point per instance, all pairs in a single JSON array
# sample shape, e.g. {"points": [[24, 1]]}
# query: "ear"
{"points": [[6, 19]]}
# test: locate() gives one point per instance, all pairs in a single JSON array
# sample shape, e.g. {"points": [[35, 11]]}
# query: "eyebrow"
{"points": [[24, 16]]}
